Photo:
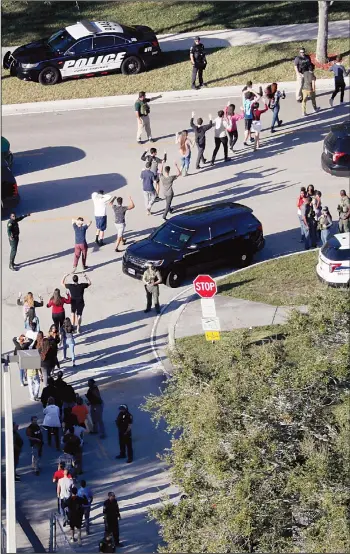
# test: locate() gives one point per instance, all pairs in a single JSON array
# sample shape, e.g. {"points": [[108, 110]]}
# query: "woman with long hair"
{"points": [[310, 191], [256, 124], [274, 105], [48, 355], [300, 202], [29, 305], [68, 339], [232, 119], [325, 224], [57, 303], [54, 334], [185, 145]]}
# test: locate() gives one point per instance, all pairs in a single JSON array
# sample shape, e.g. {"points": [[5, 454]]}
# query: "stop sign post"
{"points": [[206, 288]]}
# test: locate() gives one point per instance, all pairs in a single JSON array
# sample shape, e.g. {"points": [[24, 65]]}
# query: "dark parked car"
{"points": [[86, 48], [9, 189], [197, 241], [336, 150], [6, 153]]}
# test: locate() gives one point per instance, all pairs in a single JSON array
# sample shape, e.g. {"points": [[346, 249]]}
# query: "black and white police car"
{"points": [[333, 265], [85, 49]]}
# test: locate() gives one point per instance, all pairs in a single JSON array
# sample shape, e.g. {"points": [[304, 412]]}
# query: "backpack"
{"points": [[144, 108]]}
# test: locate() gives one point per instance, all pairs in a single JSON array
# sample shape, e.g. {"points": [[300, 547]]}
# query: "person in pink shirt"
{"points": [[232, 119], [256, 124]]}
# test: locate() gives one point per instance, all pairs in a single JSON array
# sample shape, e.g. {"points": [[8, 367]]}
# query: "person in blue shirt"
{"points": [[87, 495], [149, 192], [81, 246]]}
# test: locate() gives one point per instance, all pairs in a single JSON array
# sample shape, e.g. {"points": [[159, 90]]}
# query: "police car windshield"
{"points": [[172, 236], [61, 41]]}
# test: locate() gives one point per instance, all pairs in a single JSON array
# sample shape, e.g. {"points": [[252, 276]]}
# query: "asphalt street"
{"points": [[60, 159]]}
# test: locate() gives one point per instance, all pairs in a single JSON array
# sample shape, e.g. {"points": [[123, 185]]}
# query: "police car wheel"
{"points": [[5, 62], [49, 76], [174, 279], [131, 66]]}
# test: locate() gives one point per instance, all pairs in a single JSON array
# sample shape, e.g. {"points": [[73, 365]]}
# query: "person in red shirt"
{"points": [[81, 411], [300, 202], [60, 473], [256, 124], [57, 303], [232, 119]]}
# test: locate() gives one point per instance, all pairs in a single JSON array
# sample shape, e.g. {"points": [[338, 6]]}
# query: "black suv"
{"points": [[336, 150], [197, 240], [9, 189]]}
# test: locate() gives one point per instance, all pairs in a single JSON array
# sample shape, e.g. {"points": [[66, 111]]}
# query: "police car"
{"points": [[85, 49], [334, 261]]}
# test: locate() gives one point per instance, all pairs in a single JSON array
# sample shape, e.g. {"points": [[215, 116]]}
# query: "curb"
{"points": [[128, 100], [177, 314]]}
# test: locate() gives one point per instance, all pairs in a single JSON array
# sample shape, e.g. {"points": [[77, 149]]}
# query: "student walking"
{"points": [[199, 134], [339, 72], [76, 291], [248, 99], [220, 136], [152, 158], [33, 379], [81, 411], [142, 111], [149, 191], [75, 511], [256, 123], [111, 516], [308, 88], [325, 224], [36, 442], [151, 280], [274, 105], [124, 423], [232, 119], [17, 448], [68, 340], [52, 422], [167, 181], [56, 303], [13, 236], [100, 200], [185, 144], [96, 408], [119, 218], [199, 63], [81, 246], [48, 355], [29, 303], [86, 494], [301, 63], [308, 217], [21, 343], [64, 490], [300, 202]]}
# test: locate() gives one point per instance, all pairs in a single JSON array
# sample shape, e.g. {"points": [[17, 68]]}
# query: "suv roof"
{"points": [[341, 129], [208, 214], [87, 28]]}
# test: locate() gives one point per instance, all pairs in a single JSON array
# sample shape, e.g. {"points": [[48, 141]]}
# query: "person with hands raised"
{"points": [[199, 135]]}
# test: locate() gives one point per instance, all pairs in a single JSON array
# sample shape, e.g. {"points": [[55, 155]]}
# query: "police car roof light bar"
{"points": [[89, 26]]}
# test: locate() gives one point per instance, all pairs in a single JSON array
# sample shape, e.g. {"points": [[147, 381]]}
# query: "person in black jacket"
{"points": [[111, 515], [50, 391], [17, 447], [199, 134], [199, 62], [96, 408], [13, 235], [124, 423]]}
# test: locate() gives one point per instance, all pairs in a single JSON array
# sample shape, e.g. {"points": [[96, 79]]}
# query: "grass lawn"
{"points": [[226, 66], [23, 22], [287, 281]]}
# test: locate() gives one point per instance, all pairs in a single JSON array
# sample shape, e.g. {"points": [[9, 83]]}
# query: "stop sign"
{"points": [[205, 286]]}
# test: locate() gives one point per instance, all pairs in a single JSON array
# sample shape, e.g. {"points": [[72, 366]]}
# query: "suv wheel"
{"points": [[174, 278], [245, 257], [131, 66], [49, 76]]}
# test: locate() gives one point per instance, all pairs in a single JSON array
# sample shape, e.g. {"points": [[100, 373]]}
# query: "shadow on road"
{"points": [[45, 158]]}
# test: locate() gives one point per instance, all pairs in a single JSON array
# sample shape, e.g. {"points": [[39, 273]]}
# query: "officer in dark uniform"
{"points": [[13, 235], [199, 62], [124, 422]]}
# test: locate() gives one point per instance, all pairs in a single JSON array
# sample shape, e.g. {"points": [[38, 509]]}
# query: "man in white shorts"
{"points": [[100, 200], [119, 218]]}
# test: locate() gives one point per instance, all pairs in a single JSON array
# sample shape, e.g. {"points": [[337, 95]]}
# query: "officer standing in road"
{"points": [[13, 235], [199, 62], [142, 110], [124, 422], [152, 279]]}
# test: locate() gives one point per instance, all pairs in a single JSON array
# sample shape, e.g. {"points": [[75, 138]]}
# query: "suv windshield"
{"points": [[61, 41], [172, 236]]}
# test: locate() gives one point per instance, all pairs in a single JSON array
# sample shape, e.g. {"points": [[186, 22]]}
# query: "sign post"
{"points": [[206, 288]]}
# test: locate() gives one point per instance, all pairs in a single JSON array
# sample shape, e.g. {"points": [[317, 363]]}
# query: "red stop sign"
{"points": [[205, 286]]}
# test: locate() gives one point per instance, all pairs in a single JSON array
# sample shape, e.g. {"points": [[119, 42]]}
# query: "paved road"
{"points": [[60, 159]]}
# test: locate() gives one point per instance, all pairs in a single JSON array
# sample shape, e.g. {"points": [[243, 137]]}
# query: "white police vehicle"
{"points": [[85, 49], [334, 261]]}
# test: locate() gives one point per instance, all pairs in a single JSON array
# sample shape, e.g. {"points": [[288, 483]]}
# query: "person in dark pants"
{"points": [[111, 515], [151, 280], [81, 247], [13, 235], [106, 544], [124, 422], [309, 223], [96, 408], [199, 134], [220, 136], [76, 291], [167, 181], [339, 83], [17, 447], [199, 62], [56, 303]]}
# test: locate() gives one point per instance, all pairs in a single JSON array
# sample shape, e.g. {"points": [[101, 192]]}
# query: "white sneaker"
{"points": [[331, 102]]}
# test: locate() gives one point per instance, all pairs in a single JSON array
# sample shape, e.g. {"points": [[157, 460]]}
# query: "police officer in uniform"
{"points": [[13, 235], [199, 62], [124, 422], [151, 280]]}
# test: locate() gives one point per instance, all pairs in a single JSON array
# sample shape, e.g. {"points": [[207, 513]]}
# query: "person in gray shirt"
{"points": [[119, 218], [308, 88], [167, 181]]}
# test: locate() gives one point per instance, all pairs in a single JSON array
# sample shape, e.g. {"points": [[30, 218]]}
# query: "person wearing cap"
{"points": [[142, 110], [151, 280], [111, 516], [124, 422], [301, 64], [325, 223], [199, 63], [96, 408]]}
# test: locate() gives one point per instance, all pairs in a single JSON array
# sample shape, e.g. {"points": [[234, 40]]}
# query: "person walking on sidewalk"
{"points": [[325, 224], [28, 303], [339, 83], [81, 246], [220, 136], [167, 181], [274, 105], [36, 442], [199, 134], [64, 490], [76, 291], [232, 119], [52, 422], [199, 63], [308, 88], [301, 63], [17, 448], [13, 236], [75, 510], [119, 218], [151, 280], [48, 356], [100, 200], [344, 213], [57, 303], [149, 191], [68, 340], [87, 495], [111, 516], [142, 111], [33, 379], [124, 423], [186, 144], [96, 408]]}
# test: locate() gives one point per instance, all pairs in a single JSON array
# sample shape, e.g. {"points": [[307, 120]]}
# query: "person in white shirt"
{"points": [[64, 490], [52, 421], [220, 136], [100, 200]]}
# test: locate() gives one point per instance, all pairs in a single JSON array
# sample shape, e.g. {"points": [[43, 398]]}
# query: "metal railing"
{"points": [[3, 540], [58, 541]]}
